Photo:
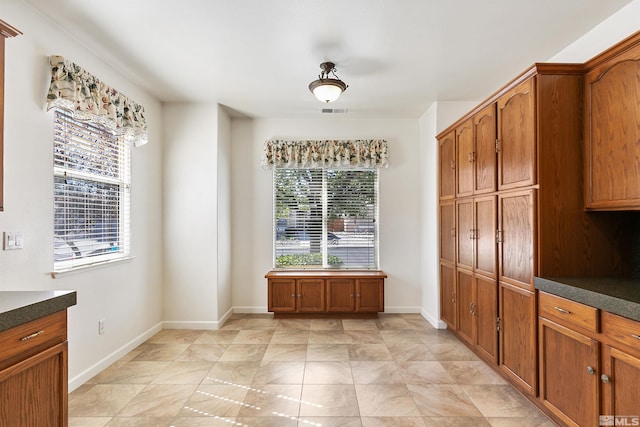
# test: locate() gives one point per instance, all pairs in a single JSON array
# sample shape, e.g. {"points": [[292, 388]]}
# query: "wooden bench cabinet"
{"points": [[325, 292]]}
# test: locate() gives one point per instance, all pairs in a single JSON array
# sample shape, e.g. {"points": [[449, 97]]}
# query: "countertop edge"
{"points": [[21, 315], [612, 304]]}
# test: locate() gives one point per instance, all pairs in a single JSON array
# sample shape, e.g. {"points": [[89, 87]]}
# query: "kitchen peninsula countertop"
{"points": [[619, 296], [19, 307]]}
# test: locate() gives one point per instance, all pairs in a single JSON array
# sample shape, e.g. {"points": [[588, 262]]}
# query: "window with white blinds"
{"points": [[91, 193], [326, 218]]}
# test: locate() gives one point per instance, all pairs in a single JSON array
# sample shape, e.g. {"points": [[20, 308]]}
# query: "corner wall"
{"points": [[252, 204], [128, 294]]}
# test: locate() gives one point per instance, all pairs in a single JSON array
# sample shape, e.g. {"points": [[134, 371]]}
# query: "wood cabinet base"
{"points": [[323, 294]]}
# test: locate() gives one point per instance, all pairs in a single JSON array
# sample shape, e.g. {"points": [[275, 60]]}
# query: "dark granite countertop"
{"points": [[19, 307], [616, 295]]}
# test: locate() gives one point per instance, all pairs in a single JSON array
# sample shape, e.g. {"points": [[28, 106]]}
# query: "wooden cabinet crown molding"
{"points": [[7, 30], [535, 69], [617, 49]]}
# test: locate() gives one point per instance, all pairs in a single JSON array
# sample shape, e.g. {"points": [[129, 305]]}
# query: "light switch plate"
{"points": [[13, 240]]}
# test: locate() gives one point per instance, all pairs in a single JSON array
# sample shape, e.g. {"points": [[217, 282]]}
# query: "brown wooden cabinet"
{"points": [[485, 153], [621, 366], [518, 346], [315, 292], [516, 231], [517, 136], [569, 360], [447, 173], [448, 296], [599, 370], [33, 373], [465, 153], [448, 231], [612, 128]]}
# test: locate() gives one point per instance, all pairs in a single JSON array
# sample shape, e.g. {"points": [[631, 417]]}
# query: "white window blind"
{"points": [[91, 193], [326, 218]]}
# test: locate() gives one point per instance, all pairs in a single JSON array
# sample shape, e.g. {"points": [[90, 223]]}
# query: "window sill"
{"points": [[80, 268]]}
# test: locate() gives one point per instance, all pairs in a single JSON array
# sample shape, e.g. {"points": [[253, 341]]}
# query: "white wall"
{"points": [[224, 215], [127, 294], [437, 118], [617, 27], [190, 215], [400, 220]]}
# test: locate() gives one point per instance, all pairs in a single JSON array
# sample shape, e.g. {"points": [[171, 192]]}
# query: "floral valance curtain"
{"points": [[358, 153], [76, 90]]}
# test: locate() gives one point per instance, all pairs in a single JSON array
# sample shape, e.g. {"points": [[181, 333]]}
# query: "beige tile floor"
{"points": [[257, 371]]}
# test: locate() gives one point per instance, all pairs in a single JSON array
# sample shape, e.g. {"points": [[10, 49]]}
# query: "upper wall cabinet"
{"points": [[6, 31], [612, 128], [447, 165], [517, 136]]}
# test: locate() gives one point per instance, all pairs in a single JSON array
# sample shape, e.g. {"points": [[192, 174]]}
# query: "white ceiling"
{"points": [[257, 57]]}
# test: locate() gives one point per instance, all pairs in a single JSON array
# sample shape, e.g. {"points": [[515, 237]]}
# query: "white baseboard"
{"points": [[98, 367], [250, 310], [436, 323]]}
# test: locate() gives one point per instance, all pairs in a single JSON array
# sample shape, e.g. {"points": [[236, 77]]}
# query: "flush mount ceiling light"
{"points": [[327, 89]]}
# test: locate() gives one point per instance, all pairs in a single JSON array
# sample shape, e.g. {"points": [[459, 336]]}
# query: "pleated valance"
{"points": [[358, 153], [81, 93]]}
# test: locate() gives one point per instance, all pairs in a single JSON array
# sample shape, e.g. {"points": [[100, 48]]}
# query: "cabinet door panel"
{"points": [[518, 337], [282, 295], [464, 233], [447, 231], [370, 295], [34, 392], [448, 166], [311, 295], [621, 392], [484, 124], [517, 137], [613, 151], [448, 311], [466, 299], [341, 294], [465, 159], [516, 245], [485, 235], [569, 385], [486, 317]]}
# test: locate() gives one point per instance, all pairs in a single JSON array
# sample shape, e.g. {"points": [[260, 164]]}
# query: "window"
{"points": [[326, 218], [91, 193]]}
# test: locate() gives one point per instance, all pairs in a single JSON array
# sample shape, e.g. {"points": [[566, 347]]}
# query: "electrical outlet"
{"points": [[101, 326]]}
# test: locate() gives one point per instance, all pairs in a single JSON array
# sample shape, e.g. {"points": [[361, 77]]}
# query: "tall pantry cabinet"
{"points": [[510, 197]]}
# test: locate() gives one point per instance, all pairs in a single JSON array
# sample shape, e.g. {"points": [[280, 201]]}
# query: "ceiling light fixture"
{"points": [[327, 89]]}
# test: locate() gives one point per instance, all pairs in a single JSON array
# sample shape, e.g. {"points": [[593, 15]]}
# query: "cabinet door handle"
{"points": [[562, 310], [293, 295], [604, 378], [452, 164], [471, 157], [635, 336], [453, 297], [453, 232], [33, 335], [590, 370]]}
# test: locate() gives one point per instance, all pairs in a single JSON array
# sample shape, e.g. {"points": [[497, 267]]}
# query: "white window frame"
{"points": [[325, 229], [122, 163]]}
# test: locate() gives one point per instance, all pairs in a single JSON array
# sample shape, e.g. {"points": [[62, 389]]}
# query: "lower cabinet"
{"points": [[478, 313], [448, 302], [568, 373], [517, 324], [325, 292], [589, 363], [33, 373], [621, 366]]}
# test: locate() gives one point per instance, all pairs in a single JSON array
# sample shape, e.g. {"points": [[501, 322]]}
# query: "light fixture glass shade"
{"points": [[327, 90]]}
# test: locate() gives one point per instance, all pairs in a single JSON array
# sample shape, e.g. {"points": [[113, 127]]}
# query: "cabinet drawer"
{"points": [[25, 340], [622, 330], [567, 312]]}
